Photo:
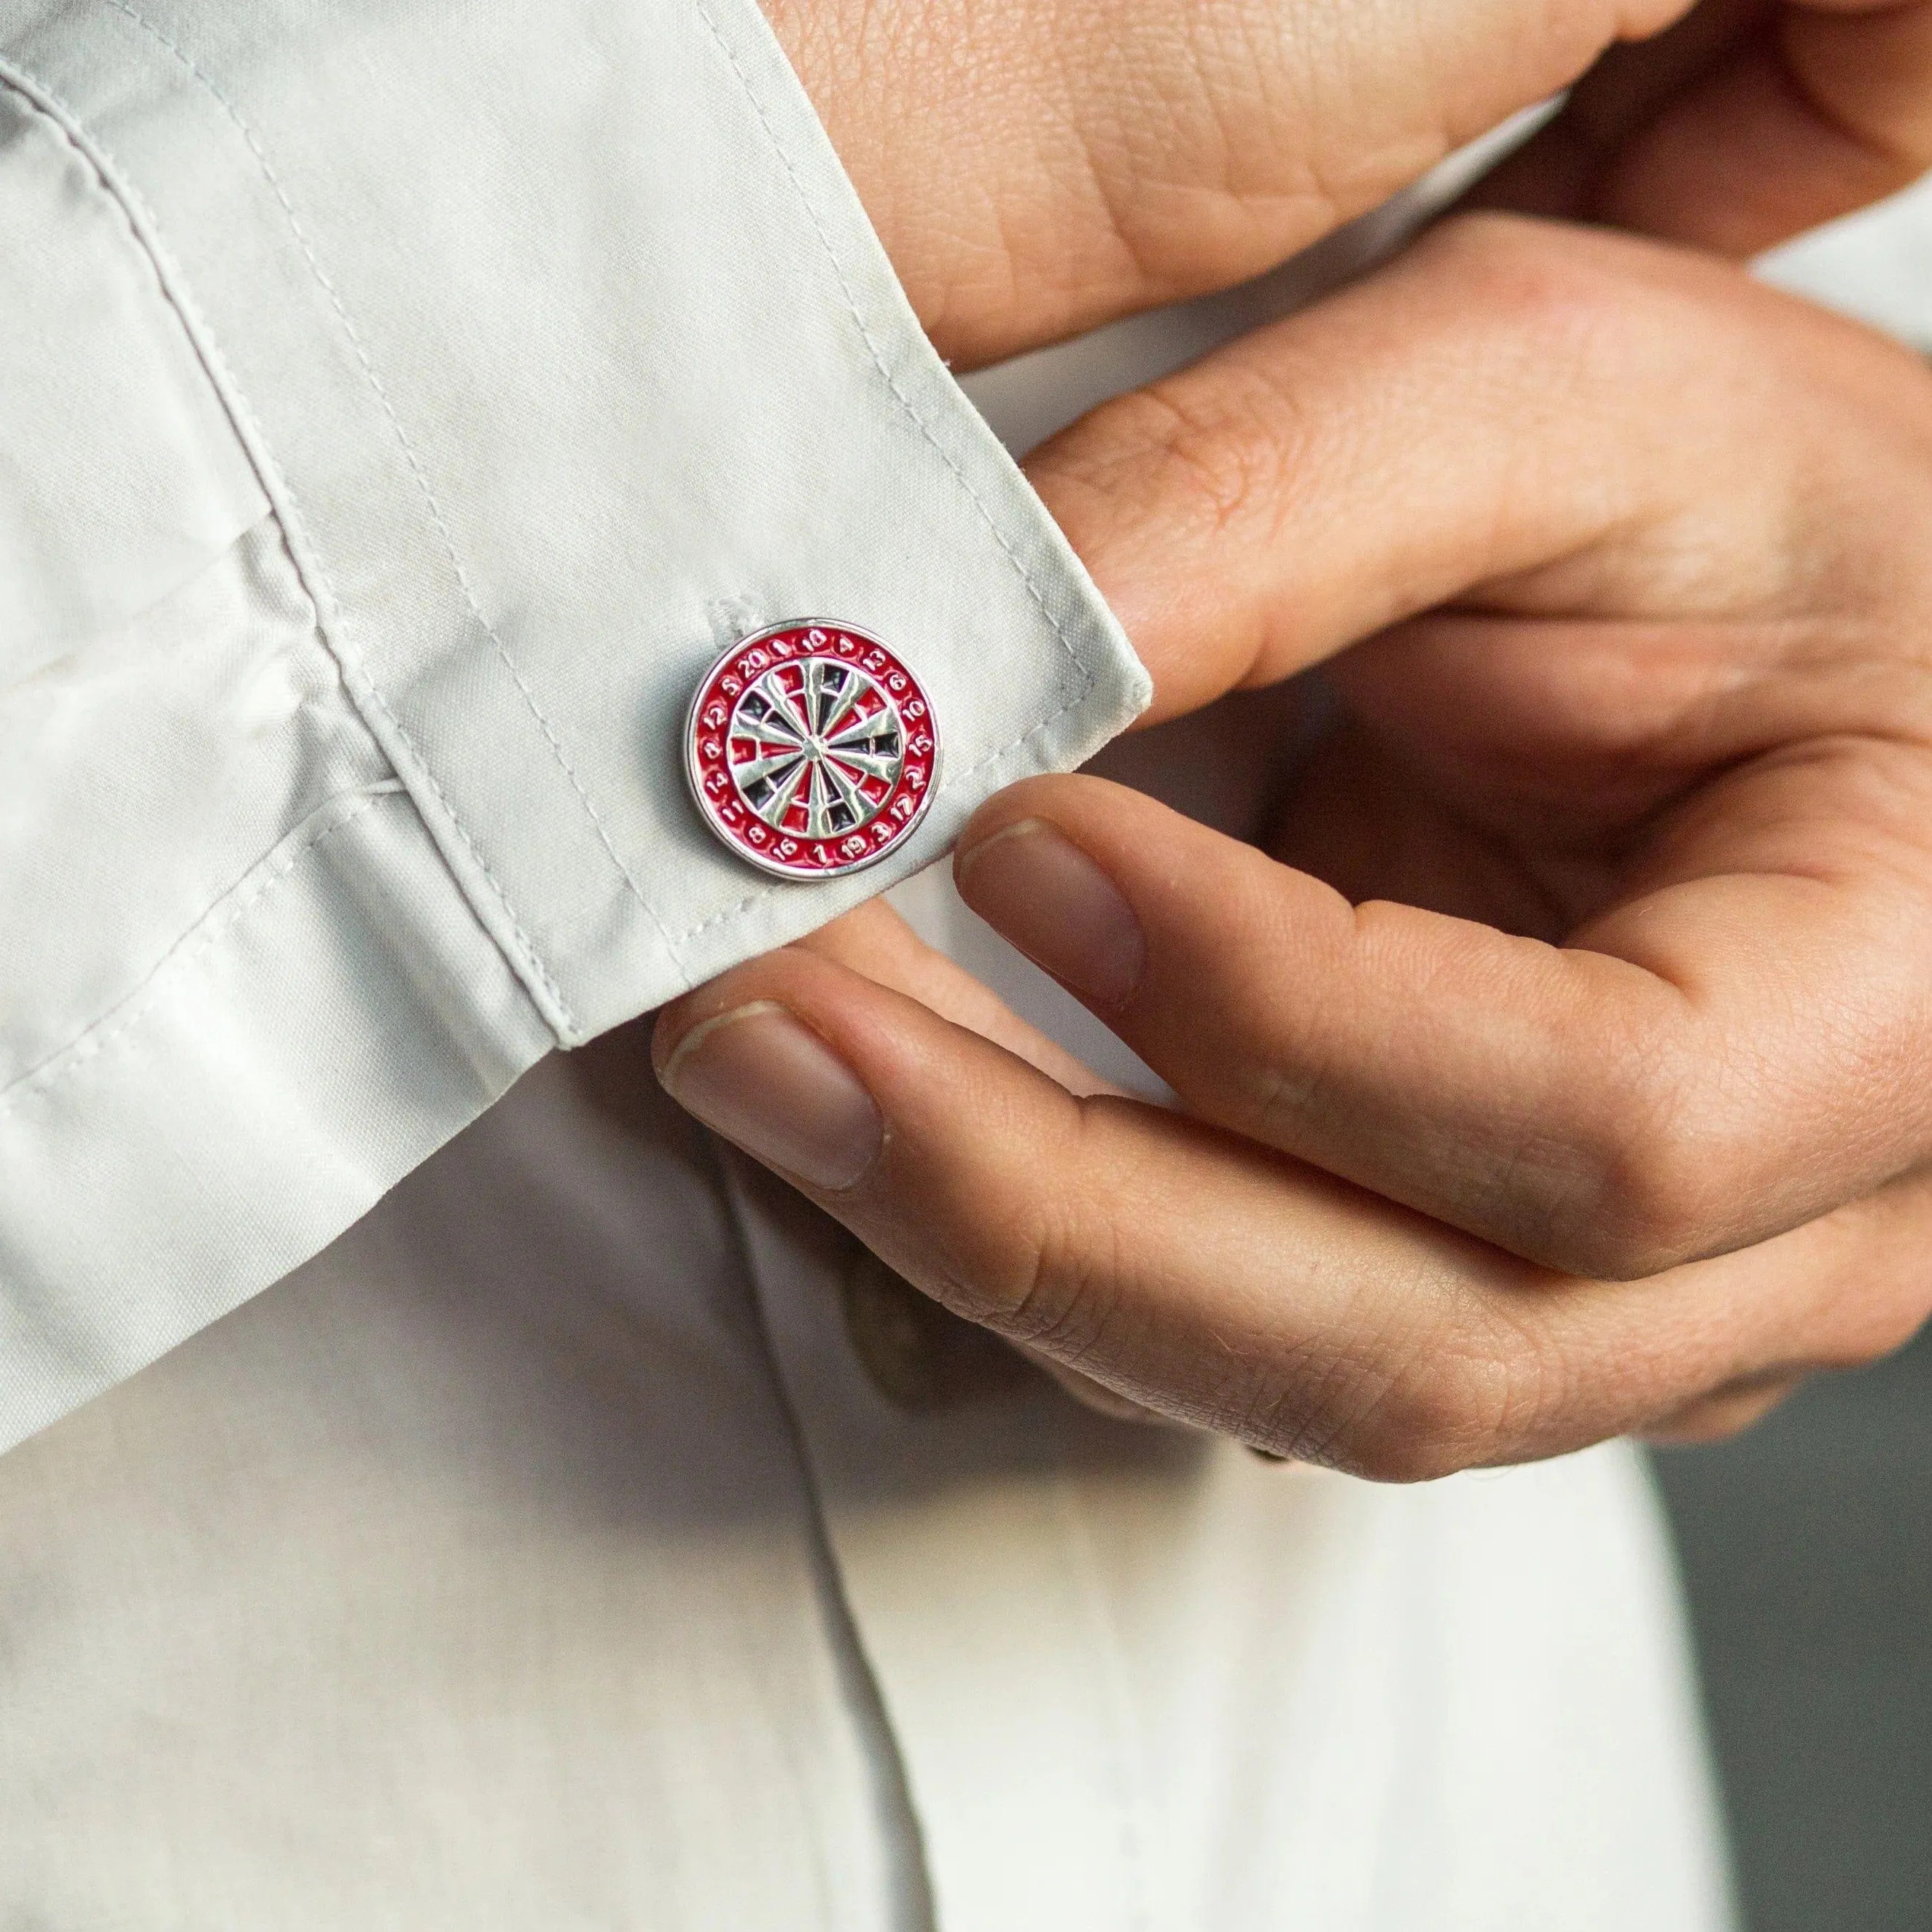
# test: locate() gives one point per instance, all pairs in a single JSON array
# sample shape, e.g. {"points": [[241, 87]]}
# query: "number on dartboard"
{"points": [[810, 749]]}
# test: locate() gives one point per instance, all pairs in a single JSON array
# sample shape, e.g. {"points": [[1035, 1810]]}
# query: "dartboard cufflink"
{"points": [[812, 749]]}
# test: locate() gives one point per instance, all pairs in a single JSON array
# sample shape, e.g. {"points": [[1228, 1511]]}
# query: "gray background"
{"points": [[1807, 1545]]}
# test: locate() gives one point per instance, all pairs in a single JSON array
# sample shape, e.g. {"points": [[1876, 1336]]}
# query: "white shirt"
{"points": [[403, 402]]}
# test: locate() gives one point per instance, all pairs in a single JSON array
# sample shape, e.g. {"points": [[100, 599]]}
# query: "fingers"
{"points": [[1700, 1071], [875, 940], [1501, 397], [1803, 1023], [1745, 126], [1638, 436], [1200, 1276], [1724, 1412], [1188, 1272]]}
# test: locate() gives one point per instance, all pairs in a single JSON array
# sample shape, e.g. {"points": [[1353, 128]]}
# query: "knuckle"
{"points": [[1210, 451], [1046, 1276], [1560, 290], [1656, 1174], [1448, 1402], [1474, 1407], [1431, 1426], [1065, 1304], [1654, 1210]]}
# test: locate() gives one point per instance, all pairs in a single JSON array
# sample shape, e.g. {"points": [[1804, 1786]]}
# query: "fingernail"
{"points": [[1033, 883], [762, 1080]]}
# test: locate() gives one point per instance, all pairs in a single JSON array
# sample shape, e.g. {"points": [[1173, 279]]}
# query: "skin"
{"points": [[1747, 123], [1558, 1071], [1036, 169]]}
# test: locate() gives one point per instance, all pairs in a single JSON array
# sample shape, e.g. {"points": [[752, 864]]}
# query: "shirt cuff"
{"points": [[565, 357]]}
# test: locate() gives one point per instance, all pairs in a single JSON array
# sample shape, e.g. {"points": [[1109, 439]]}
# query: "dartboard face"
{"points": [[811, 750]]}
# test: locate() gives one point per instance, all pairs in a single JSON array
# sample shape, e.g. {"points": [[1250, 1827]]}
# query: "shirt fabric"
{"points": [[470, 376], [403, 402]]}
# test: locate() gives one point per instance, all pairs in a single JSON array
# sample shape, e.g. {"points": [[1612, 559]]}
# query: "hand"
{"points": [[1746, 123], [1036, 169], [1593, 1092]]}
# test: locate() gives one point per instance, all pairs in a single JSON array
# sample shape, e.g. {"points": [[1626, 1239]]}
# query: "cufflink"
{"points": [[922, 1358], [810, 749]]}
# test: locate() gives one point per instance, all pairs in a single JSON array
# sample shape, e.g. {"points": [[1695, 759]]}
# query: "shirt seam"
{"points": [[447, 536], [1082, 671], [46, 102], [674, 944], [284, 499], [1115, 1698], [246, 896], [879, 362]]}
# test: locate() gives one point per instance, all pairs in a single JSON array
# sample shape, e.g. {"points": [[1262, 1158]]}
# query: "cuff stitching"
{"points": [[324, 824], [39, 96], [879, 362], [1082, 670], [409, 455]]}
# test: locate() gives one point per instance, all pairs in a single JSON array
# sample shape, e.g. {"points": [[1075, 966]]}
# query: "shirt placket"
{"points": [[940, 1466]]}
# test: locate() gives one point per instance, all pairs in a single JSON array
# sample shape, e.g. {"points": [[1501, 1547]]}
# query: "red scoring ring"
{"points": [[786, 850]]}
